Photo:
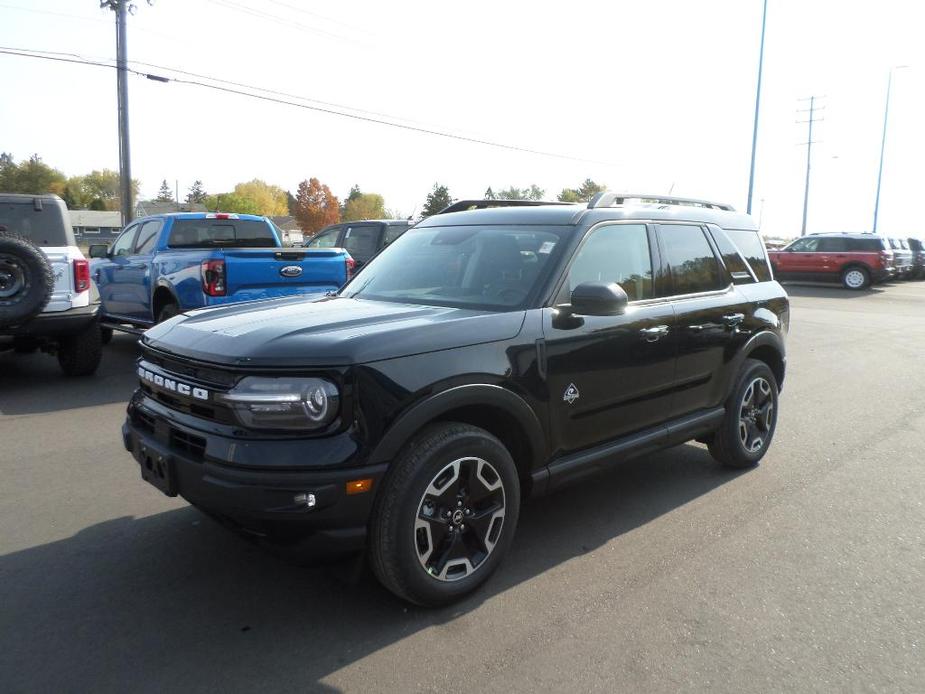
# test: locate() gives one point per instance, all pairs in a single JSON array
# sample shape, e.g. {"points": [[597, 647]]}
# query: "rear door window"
{"points": [[751, 245], [732, 259], [212, 233], [833, 244], [872, 245], [392, 232], [326, 239], [693, 265], [362, 241], [147, 237]]}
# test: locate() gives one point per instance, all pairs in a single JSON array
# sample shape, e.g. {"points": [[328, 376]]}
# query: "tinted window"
{"points": [[125, 243], [208, 233], [894, 244], [45, 227], [733, 260], [751, 246], [484, 267], [616, 253], [362, 241], [804, 245], [690, 258], [904, 244], [325, 239], [871, 245], [833, 244], [147, 237], [915, 244], [392, 232]]}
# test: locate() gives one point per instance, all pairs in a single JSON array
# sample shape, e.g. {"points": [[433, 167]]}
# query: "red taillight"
{"points": [[886, 257], [81, 275], [213, 277], [351, 265]]}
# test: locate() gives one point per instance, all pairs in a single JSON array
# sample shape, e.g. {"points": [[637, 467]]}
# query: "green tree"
{"points": [[364, 206], [269, 199], [164, 194], [105, 185], [489, 194], [31, 176], [583, 193], [196, 192], [230, 202], [437, 199]]}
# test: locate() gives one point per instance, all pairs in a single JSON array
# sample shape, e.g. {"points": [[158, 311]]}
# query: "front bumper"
{"points": [[206, 469]]}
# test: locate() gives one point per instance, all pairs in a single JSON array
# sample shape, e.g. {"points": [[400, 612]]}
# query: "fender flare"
{"points": [[765, 338], [478, 394], [162, 283]]}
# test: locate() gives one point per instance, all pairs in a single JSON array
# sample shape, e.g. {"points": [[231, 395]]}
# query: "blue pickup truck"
{"points": [[166, 264]]}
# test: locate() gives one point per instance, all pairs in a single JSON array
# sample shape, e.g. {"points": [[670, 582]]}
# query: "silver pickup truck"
{"points": [[48, 301]]}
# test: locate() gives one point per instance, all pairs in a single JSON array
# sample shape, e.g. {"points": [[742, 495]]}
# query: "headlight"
{"points": [[283, 403]]}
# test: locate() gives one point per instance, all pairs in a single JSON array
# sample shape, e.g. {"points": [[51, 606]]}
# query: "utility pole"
{"points": [[751, 172], [809, 150], [121, 8]]}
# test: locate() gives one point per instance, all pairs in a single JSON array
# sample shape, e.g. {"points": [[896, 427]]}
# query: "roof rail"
{"points": [[463, 205], [608, 199]]}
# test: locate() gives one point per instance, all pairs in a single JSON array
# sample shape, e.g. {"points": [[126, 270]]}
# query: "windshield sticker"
{"points": [[547, 247]]}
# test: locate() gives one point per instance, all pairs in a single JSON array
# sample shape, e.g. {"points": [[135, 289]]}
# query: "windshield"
{"points": [[208, 233], [480, 267]]}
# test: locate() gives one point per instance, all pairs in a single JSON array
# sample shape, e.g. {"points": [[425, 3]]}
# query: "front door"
{"points": [[136, 276], [109, 274], [610, 376], [800, 260]]}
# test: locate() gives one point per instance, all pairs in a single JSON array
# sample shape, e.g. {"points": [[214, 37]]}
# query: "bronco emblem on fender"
{"points": [[571, 394]]}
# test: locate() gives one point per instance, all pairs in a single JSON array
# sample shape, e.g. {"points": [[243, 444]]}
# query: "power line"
{"points": [[261, 14], [319, 109]]}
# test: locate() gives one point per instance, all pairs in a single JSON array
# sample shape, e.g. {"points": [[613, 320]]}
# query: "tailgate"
{"points": [[261, 273]]}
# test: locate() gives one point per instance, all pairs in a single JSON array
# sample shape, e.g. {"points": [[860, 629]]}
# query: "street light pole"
{"points": [[886, 118], [751, 172]]}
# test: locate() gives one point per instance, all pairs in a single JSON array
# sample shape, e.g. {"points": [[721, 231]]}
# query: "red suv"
{"points": [[855, 260]]}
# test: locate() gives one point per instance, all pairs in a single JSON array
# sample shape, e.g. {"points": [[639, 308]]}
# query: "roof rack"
{"points": [[463, 205], [608, 199]]}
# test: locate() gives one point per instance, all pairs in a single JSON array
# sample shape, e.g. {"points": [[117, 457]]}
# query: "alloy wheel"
{"points": [[854, 279], [756, 415], [459, 519]]}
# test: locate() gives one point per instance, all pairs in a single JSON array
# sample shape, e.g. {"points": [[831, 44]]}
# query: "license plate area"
{"points": [[157, 467]]}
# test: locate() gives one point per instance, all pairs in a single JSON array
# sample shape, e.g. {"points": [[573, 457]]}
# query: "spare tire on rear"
{"points": [[26, 280]]}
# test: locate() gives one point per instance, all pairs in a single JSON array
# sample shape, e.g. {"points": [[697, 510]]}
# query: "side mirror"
{"points": [[599, 299], [99, 250]]}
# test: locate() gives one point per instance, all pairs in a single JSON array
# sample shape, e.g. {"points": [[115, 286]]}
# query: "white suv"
{"points": [[47, 299]]}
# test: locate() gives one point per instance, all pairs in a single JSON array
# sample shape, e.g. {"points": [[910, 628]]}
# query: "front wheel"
{"points": [[855, 278], [445, 515], [751, 418]]}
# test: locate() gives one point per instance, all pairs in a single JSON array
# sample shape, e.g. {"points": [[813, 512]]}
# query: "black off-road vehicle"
{"points": [[488, 354]]}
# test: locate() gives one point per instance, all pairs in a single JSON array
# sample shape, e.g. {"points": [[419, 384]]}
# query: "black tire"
{"points": [[402, 529], [26, 280], [736, 441], [79, 354], [105, 335], [855, 278], [168, 310]]}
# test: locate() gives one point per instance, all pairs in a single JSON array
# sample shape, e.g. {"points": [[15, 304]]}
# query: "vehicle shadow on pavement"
{"points": [[33, 383], [174, 602]]}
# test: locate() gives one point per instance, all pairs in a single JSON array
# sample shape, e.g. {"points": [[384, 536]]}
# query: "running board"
{"points": [[122, 328], [575, 466]]}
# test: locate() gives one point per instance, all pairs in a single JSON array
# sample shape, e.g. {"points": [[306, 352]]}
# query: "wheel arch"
{"points": [[769, 348], [495, 409], [163, 294]]}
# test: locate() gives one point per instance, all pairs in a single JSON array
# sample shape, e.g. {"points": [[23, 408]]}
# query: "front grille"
{"points": [[203, 373], [194, 446], [205, 410]]}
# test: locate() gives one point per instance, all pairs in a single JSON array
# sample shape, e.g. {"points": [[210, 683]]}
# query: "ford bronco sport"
{"points": [[488, 354]]}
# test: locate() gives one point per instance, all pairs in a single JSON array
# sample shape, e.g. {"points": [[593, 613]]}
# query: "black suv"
{"points": [[362, 239], [484, 356]]}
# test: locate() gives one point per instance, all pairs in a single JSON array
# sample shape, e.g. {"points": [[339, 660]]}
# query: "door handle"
{"points": [[654, 334], [733, 319]]}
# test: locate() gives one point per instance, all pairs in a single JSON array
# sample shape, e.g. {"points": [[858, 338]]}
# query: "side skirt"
{"points": [[576, 466]]}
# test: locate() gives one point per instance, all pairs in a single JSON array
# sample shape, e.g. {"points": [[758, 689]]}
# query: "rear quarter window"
{"points": [[49, 226], [732, 259], [751, 245], [865, 245]]}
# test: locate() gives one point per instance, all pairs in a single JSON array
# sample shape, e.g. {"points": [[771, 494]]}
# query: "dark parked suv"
{"points": [[362, 240], [918, 258], [484, 356], [855, 260]]}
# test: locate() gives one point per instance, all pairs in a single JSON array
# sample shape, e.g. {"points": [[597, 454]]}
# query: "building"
{"points": [[144, 208], [95, 226], [291, 233]]}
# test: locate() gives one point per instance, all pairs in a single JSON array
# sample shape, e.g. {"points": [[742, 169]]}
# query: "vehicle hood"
{"points": [[332, 331]]}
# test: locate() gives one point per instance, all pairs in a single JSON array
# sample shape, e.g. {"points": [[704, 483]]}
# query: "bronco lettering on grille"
{"points": [[172, 385]]}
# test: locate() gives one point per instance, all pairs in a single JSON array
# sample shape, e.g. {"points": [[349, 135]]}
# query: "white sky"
{"points": [[663, 90]]}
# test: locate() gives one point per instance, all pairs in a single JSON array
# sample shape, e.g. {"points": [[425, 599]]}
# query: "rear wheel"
{"points": [[105, 335], [79, 354], [445, 515], [751, 418], [168, 310], [855, 278]]}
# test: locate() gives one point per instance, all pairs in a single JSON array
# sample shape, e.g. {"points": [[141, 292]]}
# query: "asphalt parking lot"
{"points": [[667, 573]]}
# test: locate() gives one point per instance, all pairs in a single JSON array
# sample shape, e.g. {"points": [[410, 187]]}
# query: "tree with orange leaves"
{"points": [[315, 206]]}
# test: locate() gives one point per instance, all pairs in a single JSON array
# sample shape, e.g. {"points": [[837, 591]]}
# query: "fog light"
{"points": [[306, 499]]}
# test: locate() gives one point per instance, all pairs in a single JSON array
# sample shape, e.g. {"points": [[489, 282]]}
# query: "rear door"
{"points": [[710, 313], [610, 376], [362, 241], [109, 273], [833, 254]]}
